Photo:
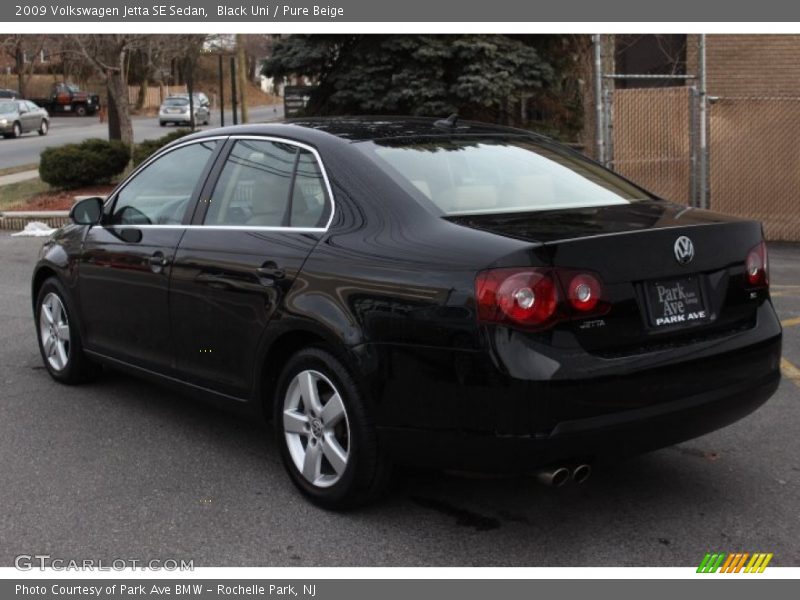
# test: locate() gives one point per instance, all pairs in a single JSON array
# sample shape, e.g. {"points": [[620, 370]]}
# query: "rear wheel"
{"points": [[59, 339], [44, 127], [80, 110], [327, 441]]}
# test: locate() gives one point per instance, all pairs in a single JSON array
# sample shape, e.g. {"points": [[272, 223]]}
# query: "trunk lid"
{"points": [[657, 298]]}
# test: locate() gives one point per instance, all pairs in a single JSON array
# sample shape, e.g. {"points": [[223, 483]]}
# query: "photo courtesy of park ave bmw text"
{"points": [[481, 298]]}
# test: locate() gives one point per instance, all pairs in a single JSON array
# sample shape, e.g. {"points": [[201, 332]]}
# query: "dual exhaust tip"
{"points": [[558, 476]]}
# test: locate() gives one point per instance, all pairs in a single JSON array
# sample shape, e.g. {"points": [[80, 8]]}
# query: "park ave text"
{"points": [[125, 11]]}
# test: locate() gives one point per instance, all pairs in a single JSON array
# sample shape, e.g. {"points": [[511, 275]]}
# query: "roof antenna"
{"points": [[448, 123]]}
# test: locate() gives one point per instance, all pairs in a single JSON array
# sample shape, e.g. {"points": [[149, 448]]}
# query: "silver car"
{"points": [[21, 116], [175, 109]]}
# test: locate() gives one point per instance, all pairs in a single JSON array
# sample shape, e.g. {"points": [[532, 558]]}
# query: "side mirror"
{"points": [[87, 211]]}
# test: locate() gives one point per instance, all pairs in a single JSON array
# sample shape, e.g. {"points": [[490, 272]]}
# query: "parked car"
{"points": [[21, 116], [408, 291], [7, 94], [175, 109], [199, 98], [69, 98]]}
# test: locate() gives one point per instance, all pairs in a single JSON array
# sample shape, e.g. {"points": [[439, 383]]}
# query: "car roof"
{"points": [[359, 129]]}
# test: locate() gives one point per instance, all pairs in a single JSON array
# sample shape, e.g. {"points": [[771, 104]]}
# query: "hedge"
{"points": [[90, 162]]}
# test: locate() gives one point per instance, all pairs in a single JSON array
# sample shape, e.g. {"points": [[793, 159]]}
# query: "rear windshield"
{"points": [[176, 101], [475, 176]]}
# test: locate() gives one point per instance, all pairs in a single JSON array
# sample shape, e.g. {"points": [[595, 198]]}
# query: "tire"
{"points": [[307, 437], [80, 110], [58, 335], [163, 124], [44, 127], [16, 131]]}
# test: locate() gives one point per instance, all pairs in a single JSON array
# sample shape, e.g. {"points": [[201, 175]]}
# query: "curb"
{"points": [[17, 219]]}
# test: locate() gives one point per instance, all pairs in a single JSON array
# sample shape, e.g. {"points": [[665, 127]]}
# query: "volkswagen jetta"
{"points": [[410, 291]]}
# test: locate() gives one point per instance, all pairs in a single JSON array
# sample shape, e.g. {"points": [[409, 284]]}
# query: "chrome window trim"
{"points": [[266, 138]]}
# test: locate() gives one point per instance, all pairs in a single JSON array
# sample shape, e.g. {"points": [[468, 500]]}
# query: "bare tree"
{"points": [[26, 51], [108, 54]]}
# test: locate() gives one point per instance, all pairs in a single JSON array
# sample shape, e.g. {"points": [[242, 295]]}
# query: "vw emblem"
{"points": [[684, 250]]}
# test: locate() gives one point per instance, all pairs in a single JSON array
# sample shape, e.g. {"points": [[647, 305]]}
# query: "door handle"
{"points": [[158, 261], [271, 272]]}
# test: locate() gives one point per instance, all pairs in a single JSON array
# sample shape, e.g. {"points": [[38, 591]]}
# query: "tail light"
{"points": [[537, 298], [757, 267]]}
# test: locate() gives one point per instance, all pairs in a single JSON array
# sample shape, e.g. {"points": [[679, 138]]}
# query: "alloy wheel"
{"points": [[316, 428], [54, 331]]}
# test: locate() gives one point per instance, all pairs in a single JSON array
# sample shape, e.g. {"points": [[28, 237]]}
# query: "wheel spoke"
{"points": [[333, 411], [312, 463], [61, 350], [47, 314], [294, 422], [49, 343], [335, 454], [63, 332], [308, 389], [58, 316]]}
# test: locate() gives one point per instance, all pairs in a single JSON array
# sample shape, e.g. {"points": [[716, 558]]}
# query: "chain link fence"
{"points": [[754, 166], [652, 139]]}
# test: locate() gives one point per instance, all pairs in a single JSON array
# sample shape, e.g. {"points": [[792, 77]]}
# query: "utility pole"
{"points": [[221, 93], [241, 58], [233, 90]]}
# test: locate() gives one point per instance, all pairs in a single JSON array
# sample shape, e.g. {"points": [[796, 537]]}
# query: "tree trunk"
{"points": [[118, 97], [141, 99], [113, 120], [19, 60], [241, 67]]}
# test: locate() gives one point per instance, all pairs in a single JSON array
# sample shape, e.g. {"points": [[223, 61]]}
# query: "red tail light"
{"points": [[584, 291], [527, 297], [535, 298], [757, 267]]}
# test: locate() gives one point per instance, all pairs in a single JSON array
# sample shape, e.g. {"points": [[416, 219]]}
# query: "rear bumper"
{"points": [[459, 410], [595, 439]]}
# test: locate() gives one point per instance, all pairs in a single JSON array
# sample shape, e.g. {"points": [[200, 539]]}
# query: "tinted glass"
{"points": [[310, 207], [498, 175], [253, 188], [160, 193]]}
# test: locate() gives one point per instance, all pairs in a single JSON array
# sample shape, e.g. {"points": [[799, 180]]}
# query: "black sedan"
{"points": [[437, 293]]}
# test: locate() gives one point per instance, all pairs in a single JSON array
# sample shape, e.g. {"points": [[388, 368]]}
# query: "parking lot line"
{"points": [[790, 322], [790, 371]]}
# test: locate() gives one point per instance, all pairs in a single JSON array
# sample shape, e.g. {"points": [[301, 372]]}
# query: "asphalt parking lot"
{"points": [[123, 469]]}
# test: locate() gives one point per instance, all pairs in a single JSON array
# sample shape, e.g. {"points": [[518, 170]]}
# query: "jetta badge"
{"points": [[684, 250]]}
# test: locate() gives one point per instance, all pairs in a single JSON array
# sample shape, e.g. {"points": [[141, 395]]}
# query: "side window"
{"points": [[309, 205], [253, 187], [269, 184], [161, 192]]}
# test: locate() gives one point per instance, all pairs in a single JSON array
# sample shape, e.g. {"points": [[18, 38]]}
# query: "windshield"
{"points": [[474, 176], [7, 107], [176, 102]]}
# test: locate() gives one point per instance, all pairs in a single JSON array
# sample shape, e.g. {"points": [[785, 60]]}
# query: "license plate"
{"points": [[675, 302]]}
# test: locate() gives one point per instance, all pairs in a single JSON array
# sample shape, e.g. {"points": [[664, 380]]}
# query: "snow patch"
{"points": [[35, 229]]}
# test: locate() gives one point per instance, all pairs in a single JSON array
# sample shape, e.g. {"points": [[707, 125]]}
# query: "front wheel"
{"points": [[16, 130], [44, 127], [80, 110], [59, 339], [327, 440]]}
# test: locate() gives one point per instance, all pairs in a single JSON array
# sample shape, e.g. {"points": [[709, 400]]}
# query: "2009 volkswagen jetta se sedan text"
{"points": [[409, 291]]}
